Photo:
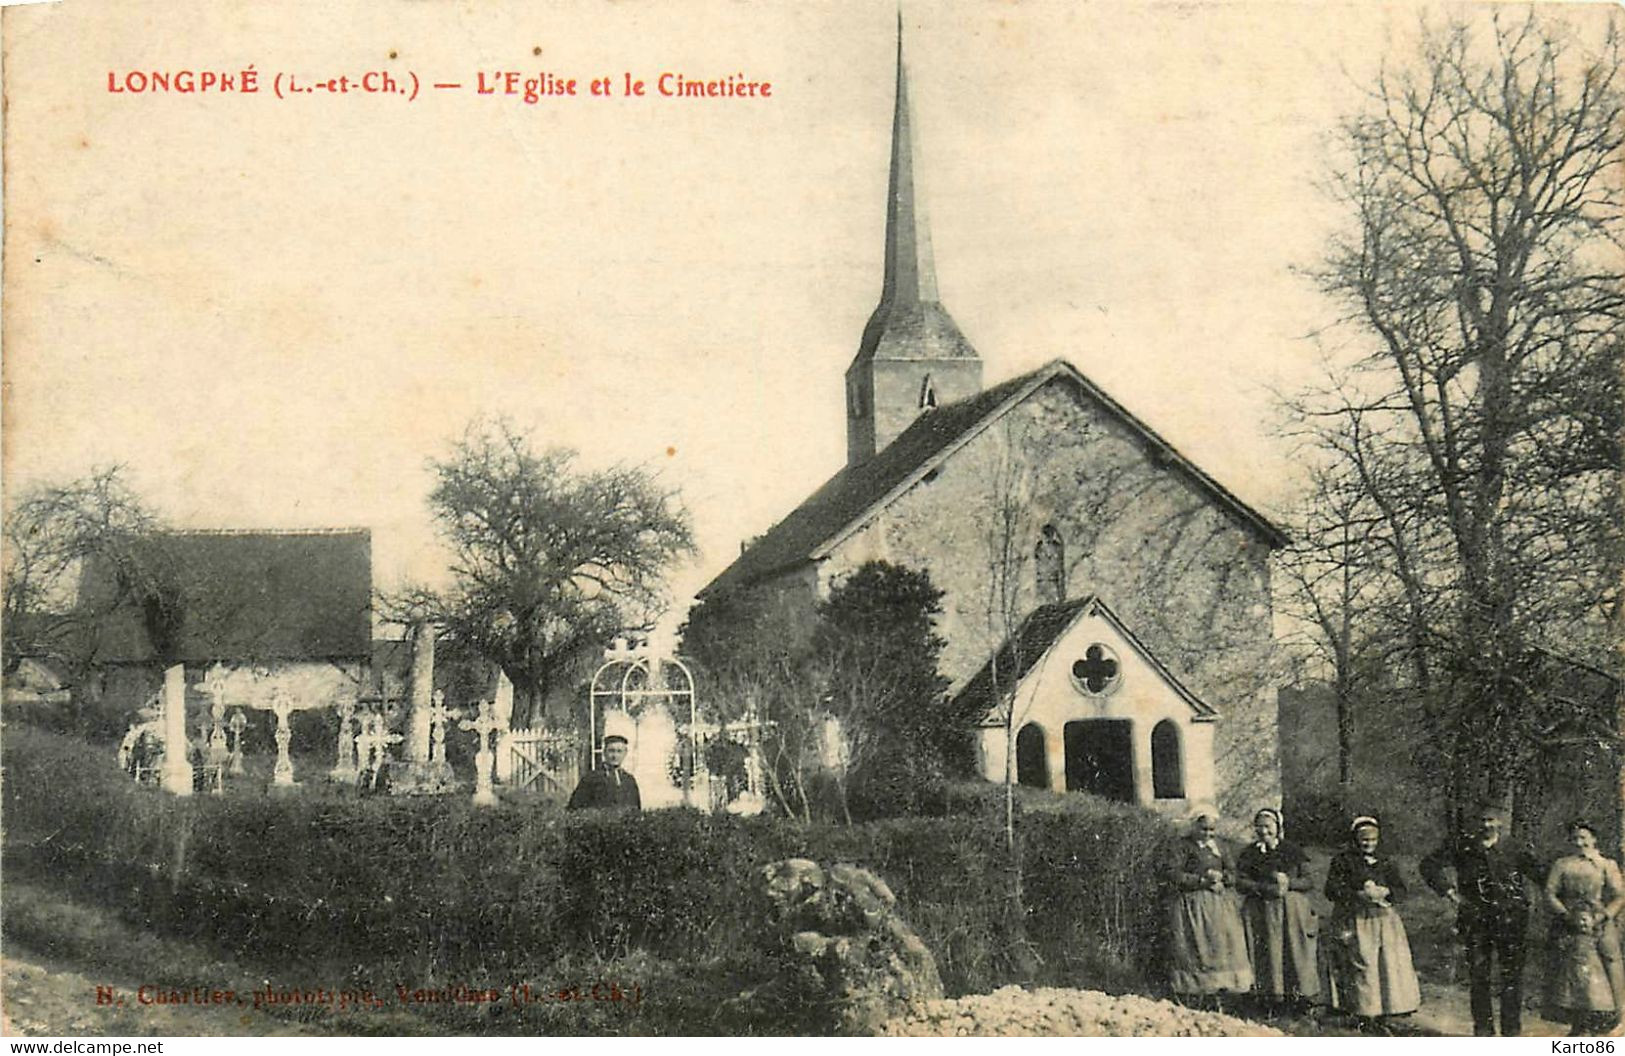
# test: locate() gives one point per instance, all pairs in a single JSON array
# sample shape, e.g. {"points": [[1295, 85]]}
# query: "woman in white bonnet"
{"points": [[1372, 975], [1209, 943], [1273, 874]]}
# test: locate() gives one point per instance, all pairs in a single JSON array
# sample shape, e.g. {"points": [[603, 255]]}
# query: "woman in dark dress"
{"points": [[1282, 930], [1209, 943], [1372, 975]]}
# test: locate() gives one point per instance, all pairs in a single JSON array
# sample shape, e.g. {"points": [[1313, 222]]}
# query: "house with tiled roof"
{"points": [[1127, 589], [282, 611]]}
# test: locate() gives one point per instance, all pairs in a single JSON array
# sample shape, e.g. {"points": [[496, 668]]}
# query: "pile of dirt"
{"points": [[1015, 1012]]}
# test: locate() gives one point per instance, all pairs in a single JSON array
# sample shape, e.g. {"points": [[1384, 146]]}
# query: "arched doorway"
{"points": [[1032, 757], [1167, 766]]}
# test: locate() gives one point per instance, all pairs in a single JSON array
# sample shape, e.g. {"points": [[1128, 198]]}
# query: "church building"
{"points": [[1108, 598]]}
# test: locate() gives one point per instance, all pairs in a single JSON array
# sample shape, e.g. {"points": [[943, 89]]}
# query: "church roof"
{"points": [[854, 495], [909, 322], [247, 596], [1032, 641]]}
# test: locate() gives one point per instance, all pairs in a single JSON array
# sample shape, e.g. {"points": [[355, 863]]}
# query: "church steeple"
{"points": [[910, 276], [912, 356]]}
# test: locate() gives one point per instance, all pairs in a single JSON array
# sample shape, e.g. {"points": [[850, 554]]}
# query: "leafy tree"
{"points": [[877, 641], [753, 660], [865, 666], [1475, 441], [547, 560]]}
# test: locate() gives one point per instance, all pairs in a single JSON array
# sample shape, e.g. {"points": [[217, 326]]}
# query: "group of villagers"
{"points": [[1268, 943]]}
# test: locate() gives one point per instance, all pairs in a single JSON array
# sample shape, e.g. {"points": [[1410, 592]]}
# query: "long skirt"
{"points": [[1584, 972], [1282, 934], [1209, 944], [1372, 974]]}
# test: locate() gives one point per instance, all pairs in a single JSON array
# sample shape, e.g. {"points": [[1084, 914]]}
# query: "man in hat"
{"points": [[1490, 890], [609, 785]]}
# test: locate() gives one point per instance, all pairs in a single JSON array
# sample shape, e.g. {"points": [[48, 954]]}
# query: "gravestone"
{"points": [[238, 723], [177, 777], [483, 726], [372, 745], [282, 706], [425, 771], [344, 770], [419, 727]]}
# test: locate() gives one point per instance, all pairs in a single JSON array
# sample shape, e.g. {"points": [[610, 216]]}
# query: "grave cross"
{"points": [[1096, 671], [373, 745], [214, 685], [439, 716], [486, 724], [345, 768], [282, 707], [211, 749], [238, 722]]}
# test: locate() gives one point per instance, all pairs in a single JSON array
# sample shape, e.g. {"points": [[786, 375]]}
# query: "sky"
{"points": [[275, 311]]}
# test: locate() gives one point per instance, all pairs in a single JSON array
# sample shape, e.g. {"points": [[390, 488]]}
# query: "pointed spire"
{"points": [[910, 276], [911, 357]]}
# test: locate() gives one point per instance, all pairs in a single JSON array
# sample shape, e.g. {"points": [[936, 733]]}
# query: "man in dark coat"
{"points": [[609, 785], [1490, 890]]}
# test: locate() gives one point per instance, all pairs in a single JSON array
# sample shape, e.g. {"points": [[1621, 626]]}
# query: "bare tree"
{"points": [[54, 533], [1009, 531], [1478, 434], [547, 561]]}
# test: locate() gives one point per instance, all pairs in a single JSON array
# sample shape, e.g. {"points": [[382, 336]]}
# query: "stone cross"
{"points": [[373, 745], [483, 726], [214, 684], [368, 740], [282, 707], [212, 754], [238, 722], [439, 716], [345, 768]]}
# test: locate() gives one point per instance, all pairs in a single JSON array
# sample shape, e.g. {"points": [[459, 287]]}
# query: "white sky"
{"points": [[276, 310]]}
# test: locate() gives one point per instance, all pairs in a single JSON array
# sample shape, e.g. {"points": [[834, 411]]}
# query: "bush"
{"points": [[434, 891]]}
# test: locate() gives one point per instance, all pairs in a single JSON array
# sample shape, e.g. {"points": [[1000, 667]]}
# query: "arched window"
{"points": [[1032, 757], [1167, 768], [1049, 562], [928, 394]]}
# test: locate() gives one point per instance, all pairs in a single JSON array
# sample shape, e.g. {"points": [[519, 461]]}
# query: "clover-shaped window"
{"points": [[1098, 672]]}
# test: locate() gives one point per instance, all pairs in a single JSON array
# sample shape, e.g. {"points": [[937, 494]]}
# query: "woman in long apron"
{"points": [[1372, 975], [1208, 940], [1282, 928], [1585, 893]]}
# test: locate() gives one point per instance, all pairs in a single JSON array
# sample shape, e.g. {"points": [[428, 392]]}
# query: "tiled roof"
{"points": [[246, 596], [849, 495]]}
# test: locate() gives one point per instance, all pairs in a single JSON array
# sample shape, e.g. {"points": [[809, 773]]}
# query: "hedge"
{"points": [[436, 891]]}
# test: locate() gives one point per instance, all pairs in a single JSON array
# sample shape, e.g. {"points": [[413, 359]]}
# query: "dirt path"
{"points": [[37, 1000]]}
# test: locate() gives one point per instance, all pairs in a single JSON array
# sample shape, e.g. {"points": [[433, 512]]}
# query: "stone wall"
{"points": [[1184, 574]]}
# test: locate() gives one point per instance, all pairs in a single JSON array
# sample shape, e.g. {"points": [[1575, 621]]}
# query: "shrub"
{"points": [[432, 891]]}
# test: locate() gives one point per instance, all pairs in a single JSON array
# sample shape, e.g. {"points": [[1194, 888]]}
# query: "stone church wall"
{"points": [[1186, 576]]}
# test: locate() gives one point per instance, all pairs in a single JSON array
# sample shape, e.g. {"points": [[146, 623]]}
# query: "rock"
{"points": [[839, 926]]}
